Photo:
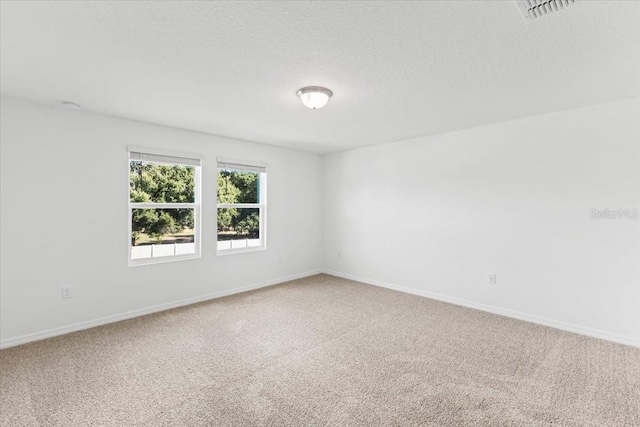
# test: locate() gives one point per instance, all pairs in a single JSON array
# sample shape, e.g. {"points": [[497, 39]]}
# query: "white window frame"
{"points": [[241, 165], [170, 158]]}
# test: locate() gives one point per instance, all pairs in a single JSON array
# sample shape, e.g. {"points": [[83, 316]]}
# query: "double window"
{"points": [[241, 204], [164, 207]]}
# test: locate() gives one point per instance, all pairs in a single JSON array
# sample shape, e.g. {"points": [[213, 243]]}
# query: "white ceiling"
{"points": [[397, 69]]}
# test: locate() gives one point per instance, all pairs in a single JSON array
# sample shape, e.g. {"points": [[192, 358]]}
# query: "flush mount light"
{"points": [[314, 97]]}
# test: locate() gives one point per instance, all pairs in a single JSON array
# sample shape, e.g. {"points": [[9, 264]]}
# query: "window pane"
{"points": [[161, 183], [238, 186], [162, 232], [238, 228]]}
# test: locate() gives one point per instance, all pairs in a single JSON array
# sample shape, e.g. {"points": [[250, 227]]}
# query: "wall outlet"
{"points": [[492, 278], [66, 292]]}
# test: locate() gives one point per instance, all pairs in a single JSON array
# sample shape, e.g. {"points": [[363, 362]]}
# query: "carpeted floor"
{"points": [[321, 351]]}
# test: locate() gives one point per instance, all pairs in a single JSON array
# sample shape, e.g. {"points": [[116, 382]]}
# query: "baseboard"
{"points": [[49, 333], [569, 327]]}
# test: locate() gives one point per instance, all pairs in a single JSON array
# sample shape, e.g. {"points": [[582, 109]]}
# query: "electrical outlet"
{"points": [[66, 292], [492, 278]]}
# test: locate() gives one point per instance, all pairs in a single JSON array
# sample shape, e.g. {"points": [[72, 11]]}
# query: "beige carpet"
{"points": [[321, 351]]}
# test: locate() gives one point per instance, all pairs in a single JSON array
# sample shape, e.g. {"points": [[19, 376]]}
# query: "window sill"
{"points": [[161, 260], [240, 250]]}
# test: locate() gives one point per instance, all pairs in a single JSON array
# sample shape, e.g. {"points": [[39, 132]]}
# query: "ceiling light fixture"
{"points": [[314, 97]]}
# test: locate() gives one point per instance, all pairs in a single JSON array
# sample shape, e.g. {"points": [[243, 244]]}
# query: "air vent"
{"points": [[532, 9]]}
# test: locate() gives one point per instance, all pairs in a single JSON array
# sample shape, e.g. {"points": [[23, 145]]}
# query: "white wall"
{"points": [[436, 214], [431, 216], [64, 190]]}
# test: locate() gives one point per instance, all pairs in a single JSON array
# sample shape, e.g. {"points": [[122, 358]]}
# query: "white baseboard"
{"points": [[596, 333], [569, 327], [36, 336]]}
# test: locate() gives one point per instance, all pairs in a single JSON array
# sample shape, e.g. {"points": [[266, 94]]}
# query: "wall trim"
{"points": [[569, 327], [62, 330]]}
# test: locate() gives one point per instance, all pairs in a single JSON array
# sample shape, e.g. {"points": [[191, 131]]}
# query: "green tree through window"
{"points": [[238, 187], [164, 207], [241, 206], [158, 183]]}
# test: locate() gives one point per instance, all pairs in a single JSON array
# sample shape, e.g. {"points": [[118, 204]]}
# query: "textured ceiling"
{"points": [[398, 70]]}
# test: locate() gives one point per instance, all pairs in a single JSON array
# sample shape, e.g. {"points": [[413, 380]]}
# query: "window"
{"points": [[164, 207], [241, 207]]}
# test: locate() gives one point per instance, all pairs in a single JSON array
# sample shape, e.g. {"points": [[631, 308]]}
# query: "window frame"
{"points": [[251, 166], [175, 157]]}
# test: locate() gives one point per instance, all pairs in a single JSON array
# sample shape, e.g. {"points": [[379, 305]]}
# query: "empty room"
{"points": [[320, 213]]}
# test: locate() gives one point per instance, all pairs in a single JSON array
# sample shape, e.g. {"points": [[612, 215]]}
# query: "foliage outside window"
{"points": [[163, 207], [241, 207]]}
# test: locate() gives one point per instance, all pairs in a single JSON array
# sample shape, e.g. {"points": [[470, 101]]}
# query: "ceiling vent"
{"points": [[532, 9]]}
